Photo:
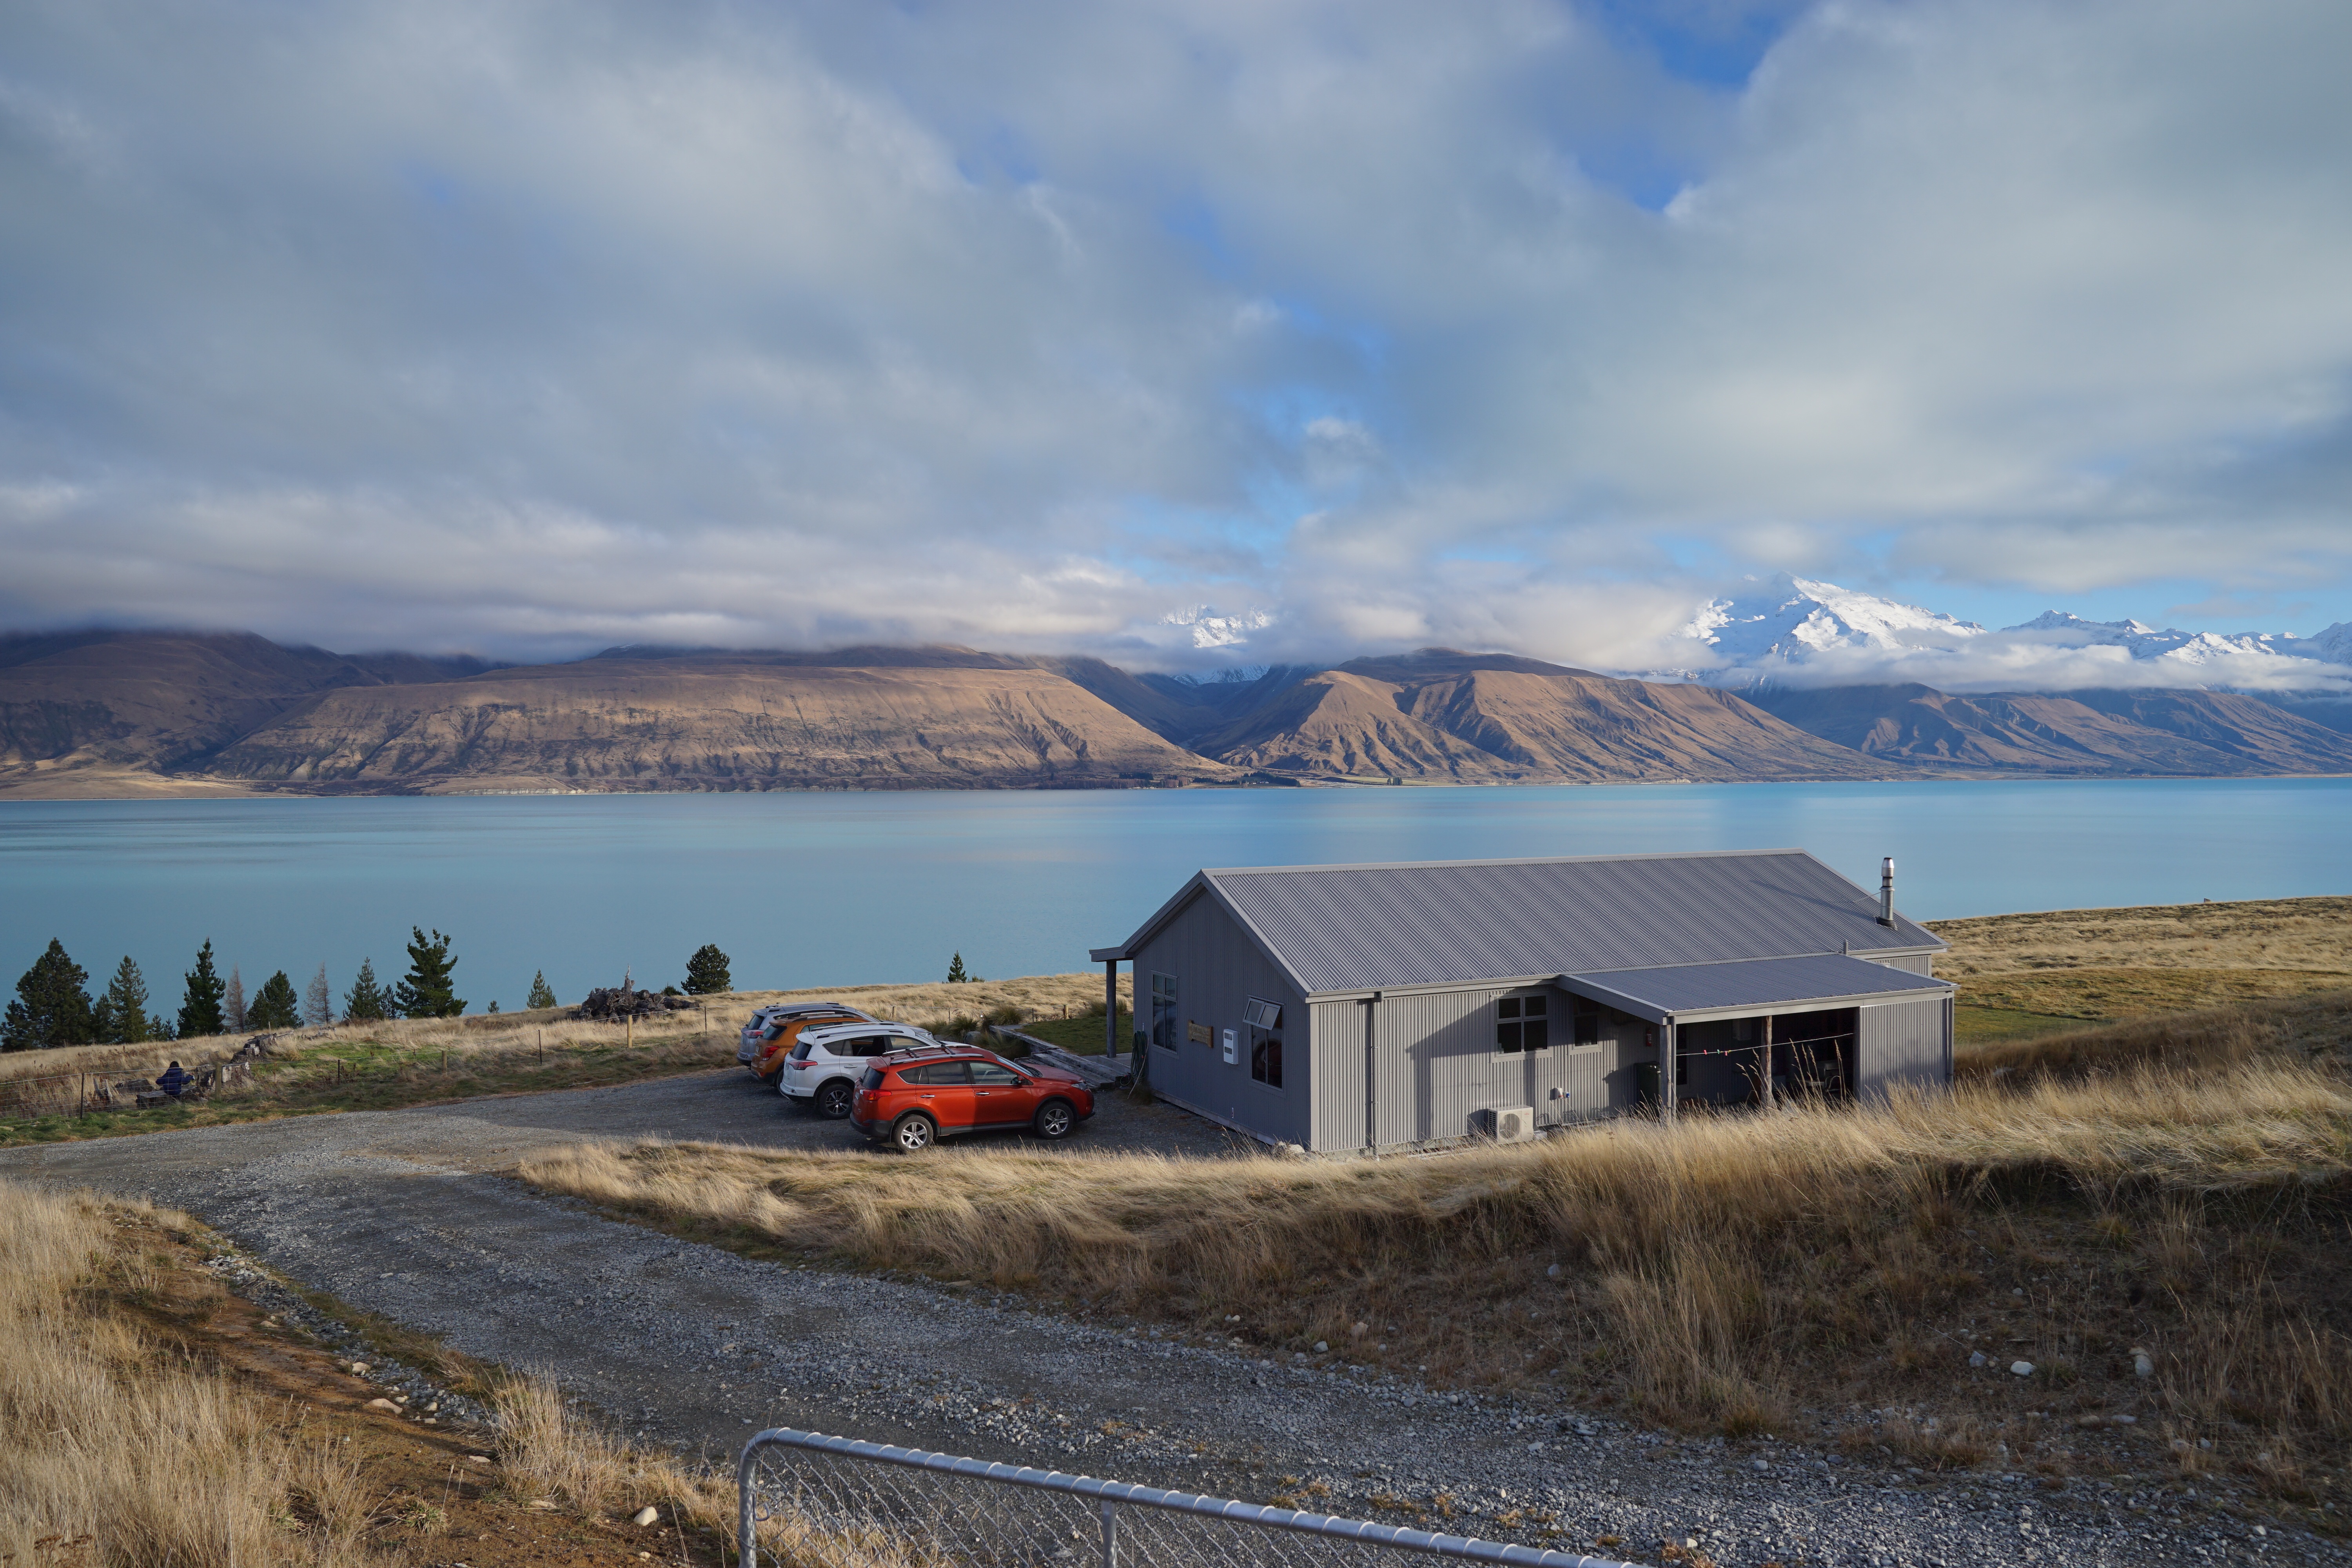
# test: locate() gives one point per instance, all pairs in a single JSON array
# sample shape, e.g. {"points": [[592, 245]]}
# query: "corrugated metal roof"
{"points": [[1758, 983], [1369, 927]]}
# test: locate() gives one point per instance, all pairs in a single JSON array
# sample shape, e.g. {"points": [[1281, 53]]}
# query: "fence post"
{"points": [[1111, 1536]]}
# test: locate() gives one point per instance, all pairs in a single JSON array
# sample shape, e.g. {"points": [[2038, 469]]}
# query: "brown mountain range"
{"points": [[106, 714], [2187, 733]]}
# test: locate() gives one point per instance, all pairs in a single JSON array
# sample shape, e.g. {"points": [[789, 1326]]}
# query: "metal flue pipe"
{"points": [[1886, 891]]}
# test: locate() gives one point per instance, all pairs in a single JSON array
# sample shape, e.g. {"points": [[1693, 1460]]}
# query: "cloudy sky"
{"points": [[528, 329]]}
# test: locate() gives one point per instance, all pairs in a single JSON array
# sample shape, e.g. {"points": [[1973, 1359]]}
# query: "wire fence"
{"points": [[814, 1501]]}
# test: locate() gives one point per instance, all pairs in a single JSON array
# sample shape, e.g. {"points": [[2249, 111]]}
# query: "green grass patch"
{"points": [[1996, 1025], [1081, 1037]]}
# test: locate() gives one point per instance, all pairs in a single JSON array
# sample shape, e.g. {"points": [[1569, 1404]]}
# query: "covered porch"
{"points": [[1757, 1031]]}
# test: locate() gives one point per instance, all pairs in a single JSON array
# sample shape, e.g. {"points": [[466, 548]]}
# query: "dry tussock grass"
{"points": [[118, 1447], [1728, 1270], [106, 1444], [2260, 934]]}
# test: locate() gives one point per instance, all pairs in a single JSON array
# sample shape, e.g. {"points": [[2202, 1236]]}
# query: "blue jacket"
{"points": [[176, 1080]]}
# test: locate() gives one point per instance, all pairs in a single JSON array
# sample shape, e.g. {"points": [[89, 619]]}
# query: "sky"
{"points": [[1236, 331]]}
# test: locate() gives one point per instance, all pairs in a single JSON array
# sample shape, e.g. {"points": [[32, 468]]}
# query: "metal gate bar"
{"points": [[1021, 1516]]}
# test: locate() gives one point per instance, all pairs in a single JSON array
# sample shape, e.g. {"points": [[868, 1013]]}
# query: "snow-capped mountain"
{"points": [[1794, 620], [1800, 632], [1210, 628]]}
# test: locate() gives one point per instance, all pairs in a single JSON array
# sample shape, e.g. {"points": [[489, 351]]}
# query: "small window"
{"points": [[1588, 1021], [1522, 1023], [1164, 1024], [1264, 1020], [989, 1076], [933, 1075], [872, 1080]]}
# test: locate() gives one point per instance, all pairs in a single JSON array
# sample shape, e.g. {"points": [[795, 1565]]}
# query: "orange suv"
{"points": [[913, 1099]]}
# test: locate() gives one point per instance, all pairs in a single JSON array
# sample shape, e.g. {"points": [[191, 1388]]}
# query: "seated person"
{"points": [[173, 1080]]}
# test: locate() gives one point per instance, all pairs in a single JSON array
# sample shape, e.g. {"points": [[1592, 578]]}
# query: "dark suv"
{"points": [[912, 1099]]}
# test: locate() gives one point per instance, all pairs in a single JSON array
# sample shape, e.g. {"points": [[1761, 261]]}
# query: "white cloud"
{"points": [[528, 327]]}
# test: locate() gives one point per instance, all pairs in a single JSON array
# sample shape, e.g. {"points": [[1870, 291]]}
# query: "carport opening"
{"points": [[1722, 1061]]}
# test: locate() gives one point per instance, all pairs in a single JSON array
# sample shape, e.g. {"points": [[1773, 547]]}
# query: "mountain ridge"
{"points": [[163, 713]]}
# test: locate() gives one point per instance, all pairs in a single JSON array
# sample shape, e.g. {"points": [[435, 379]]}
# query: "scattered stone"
{"points": [[1978, 1358], [358, 1369], [2022, 1368], [1552, 1272], [1760, 1464], [2143, 1364], [383, 1403], [646, 1516], [1321, 1346], [478, 1458]]}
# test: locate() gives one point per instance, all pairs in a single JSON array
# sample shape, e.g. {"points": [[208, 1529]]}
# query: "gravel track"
{"points": [[408, 1214]]}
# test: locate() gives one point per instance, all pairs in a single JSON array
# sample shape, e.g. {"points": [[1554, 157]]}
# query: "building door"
{"points": [[1588, 1092]]}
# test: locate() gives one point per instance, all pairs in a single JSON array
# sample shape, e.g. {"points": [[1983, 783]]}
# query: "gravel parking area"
{"points": [[405, 1213]]}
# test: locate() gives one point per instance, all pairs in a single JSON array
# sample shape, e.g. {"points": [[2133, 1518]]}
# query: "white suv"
{"points": [[826, 1063]]}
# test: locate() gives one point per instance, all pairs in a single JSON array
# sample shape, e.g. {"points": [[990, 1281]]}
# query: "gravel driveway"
{"points": [[405, 1213]]}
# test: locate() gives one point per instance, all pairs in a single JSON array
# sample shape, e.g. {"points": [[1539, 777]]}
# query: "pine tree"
{"points": [[956, 976], [122, 1011], [319, 1002], [52, 1005], [494, 1004], [426, 991], [543, 995], [274, 1007], [366, 998], [233, 1002], [706, 971], [200, 1009]]}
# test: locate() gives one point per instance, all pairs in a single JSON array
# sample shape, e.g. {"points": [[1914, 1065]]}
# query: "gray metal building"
{"points": [[1353, 1007]]}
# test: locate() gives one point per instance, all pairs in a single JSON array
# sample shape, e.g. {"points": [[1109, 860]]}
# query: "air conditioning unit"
{"points": [[1504, 1124]]}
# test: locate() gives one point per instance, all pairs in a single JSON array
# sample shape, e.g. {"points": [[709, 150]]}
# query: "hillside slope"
{"points": [[712, 721], [1439, 714], [2182, 733]]}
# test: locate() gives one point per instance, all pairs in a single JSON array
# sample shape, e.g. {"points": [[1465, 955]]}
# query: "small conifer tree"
{"points": [[543, 995], [366, 998], [52, 1005], [274, 1007], [122, 1012], [319, 1002], [233, 1002], [426, 991], [956, 975], [200, 1009], [706, 971]]}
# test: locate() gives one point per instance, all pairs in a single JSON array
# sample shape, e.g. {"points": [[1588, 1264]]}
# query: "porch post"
{"points": [[1668, 1053], [1767, 1061], [1110, 1013]]}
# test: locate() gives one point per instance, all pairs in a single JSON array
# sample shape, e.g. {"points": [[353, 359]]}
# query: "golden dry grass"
{"points": [[494, 1035], [1733, 1271], [2259, 935], [121, 1444]]}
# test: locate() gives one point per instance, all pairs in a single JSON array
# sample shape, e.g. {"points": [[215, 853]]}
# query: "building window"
{"points": [[1588, 1021], [1163, 1011], [1265, 1021], [1521, 1023]]}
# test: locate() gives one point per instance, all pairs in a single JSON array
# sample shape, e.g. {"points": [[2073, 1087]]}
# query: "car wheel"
{"points": [[913, 1133], [834, 1100], [1054, 1118]]}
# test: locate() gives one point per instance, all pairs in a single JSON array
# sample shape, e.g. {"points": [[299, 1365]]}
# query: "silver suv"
{"points": [[761, 1029], [826, 1064]]}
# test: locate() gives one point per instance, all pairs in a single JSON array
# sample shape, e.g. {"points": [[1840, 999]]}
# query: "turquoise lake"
{"points": [[827, 889]]}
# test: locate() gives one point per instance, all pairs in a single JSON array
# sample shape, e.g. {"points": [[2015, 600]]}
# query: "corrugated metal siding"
{"points": [[1218, 969], [1338, 1076], [1917, 964], [1902, 1042], [1379, 927]]}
